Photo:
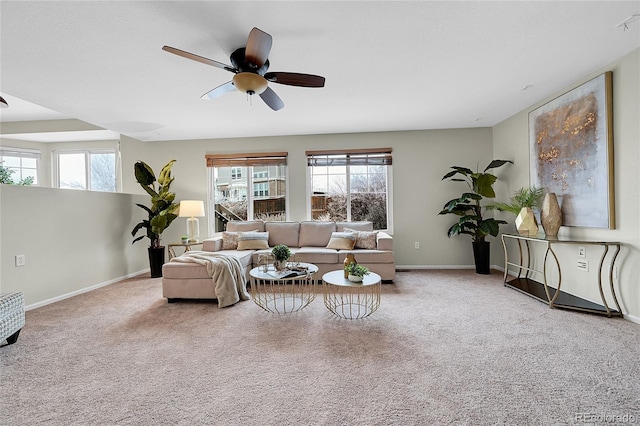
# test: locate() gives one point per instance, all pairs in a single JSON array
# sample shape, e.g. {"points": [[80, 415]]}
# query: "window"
{"points": [[261, 189], [22, 163], [88, 170], [350, 185], [236, 173], [246, 187]]}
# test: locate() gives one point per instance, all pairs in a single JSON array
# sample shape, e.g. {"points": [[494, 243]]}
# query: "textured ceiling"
{"points": [[388, 65]]}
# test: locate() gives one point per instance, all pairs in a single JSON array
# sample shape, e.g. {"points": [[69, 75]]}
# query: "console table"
{"points": [[554, 297]]}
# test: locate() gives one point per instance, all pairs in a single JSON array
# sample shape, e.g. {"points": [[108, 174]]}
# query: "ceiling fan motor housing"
{"points": [[240, 63]]}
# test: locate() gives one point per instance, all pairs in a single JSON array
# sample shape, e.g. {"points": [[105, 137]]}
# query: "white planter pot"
{"points": [[354, 279]]}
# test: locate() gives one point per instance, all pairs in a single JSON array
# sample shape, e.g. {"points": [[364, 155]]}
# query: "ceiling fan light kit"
{"points": [[250, 65], [250, 83]]}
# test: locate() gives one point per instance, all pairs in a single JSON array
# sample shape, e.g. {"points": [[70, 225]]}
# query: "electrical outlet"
{"points": [[583, 265], [582, 251], [21, 260], [417, 245]]}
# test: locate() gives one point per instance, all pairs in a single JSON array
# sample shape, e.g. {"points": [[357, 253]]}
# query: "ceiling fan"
{"points": [[250, 65]]}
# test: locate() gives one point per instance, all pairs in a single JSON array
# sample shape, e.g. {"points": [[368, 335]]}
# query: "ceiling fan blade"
{"points": [[198, 58], [295, 79], [258, 47], [219, 91], [270, 98]]}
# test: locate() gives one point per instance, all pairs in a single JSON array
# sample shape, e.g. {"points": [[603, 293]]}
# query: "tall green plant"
{"points": [[468, 206], [162, 210]]}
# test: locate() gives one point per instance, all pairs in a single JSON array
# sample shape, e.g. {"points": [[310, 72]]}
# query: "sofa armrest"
{"points": [[385, 241], [213, 244]]}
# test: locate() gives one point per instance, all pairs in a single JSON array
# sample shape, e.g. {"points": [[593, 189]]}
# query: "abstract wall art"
{"points": [[571, 142]]}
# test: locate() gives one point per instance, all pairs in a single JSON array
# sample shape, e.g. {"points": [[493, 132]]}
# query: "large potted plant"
{"points": [[160, 214], [469, 208]]}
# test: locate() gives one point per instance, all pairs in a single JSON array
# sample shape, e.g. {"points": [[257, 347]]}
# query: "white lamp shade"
{"points": [[191, 208]]}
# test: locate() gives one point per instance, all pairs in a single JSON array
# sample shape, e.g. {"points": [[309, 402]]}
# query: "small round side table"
{"points": [[283, 295], [351, 300]]}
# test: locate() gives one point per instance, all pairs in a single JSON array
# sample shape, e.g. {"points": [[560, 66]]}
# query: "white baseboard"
{"points": [[632, 318], [82, 290]]}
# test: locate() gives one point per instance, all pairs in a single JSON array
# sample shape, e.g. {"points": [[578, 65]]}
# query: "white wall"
{"points": [[511, 140], [420, 159], [72, 240]]}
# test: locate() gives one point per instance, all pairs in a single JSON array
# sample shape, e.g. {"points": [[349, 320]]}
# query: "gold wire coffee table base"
{"points": [[351, 300], [283, 295]]}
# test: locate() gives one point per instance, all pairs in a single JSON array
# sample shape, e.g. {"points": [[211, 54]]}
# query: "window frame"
{"points": [[353, 157], [88, 153], [248, 160], [22, 153]]}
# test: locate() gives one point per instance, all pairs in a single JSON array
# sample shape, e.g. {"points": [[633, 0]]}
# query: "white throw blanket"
{"points": [[226, 273]]}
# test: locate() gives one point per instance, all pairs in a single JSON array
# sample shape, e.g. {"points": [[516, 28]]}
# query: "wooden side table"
{"points": [[187, 247]]}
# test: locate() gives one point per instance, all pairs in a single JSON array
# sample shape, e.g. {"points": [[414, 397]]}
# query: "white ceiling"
{"points": [[388, 65]]}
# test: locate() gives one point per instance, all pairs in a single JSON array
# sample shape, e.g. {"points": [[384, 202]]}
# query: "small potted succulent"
{"points": [[185, 239], [281, 254], [356, 272]]}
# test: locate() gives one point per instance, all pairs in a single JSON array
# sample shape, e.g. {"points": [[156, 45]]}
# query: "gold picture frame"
{"points": [[571, 152]]}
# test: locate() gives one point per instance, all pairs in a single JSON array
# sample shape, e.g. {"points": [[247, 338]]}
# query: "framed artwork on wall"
{"points": [[571, 152]]}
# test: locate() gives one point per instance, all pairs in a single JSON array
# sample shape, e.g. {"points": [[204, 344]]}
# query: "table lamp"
{"points": [[192, 209]]}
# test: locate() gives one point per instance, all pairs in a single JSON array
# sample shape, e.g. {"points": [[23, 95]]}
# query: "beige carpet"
{"points": [[445, 347]]}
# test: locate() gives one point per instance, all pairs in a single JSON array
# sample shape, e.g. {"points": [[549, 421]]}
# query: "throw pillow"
{"points": [[342, 241], [365, 240], [253, 240], [230, 240]]}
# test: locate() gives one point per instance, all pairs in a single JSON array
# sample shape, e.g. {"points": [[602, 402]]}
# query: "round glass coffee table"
{"points": [[278, 293], [351, 300]]}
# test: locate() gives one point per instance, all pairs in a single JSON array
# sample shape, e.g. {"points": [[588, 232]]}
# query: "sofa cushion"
{"points": [[283, 233], [317, 255], [315, 234], [245, 226], [253, 240], [364, 239], [368, 256], [342, 240], [358, 226], [179, 270]]}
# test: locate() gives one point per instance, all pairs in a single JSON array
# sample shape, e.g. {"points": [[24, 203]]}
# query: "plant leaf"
{"points": [[497, 163]]}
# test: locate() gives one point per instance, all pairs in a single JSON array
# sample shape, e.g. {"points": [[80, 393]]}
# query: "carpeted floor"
{"points": [[445, 347]]}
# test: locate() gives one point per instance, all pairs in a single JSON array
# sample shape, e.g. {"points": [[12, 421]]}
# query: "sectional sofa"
{"points": [[320, 243]]}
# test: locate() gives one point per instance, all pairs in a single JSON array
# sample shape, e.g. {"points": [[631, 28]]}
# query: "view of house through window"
{"points": [[350, 185], [88, 170], [246, 187], [22, 164]]}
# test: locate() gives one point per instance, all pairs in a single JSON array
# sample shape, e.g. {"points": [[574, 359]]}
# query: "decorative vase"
{"points": [[526, 223], [348, 261], [354, 278], [280, 265], [551, 215]]}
